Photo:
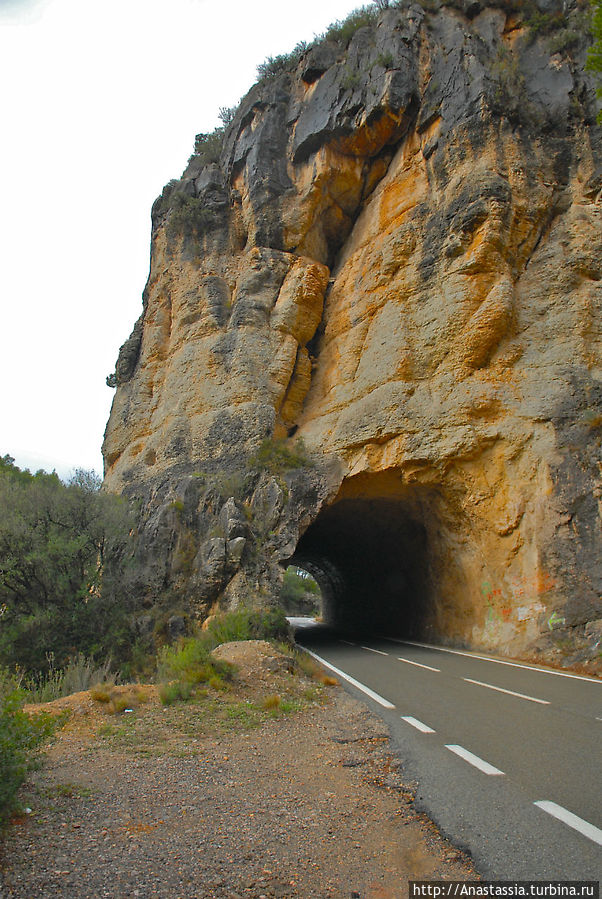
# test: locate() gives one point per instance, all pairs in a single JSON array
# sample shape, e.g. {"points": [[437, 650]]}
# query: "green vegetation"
{"points": [[385, 60], [563, 40], [189, 215], [351, 79], [21, 737], [594, 59], [343, 30], [285, 62], [563, 30], [175, 691], [181, 668], [190, 662], [80, 673], [208, 147], [276, 456], [540, 23], [247, 624], [300, 593], [62, 551]]}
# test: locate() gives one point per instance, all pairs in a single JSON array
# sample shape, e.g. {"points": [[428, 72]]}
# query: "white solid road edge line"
{"points": [[474, 655], [472, 759], [418, 724], [418, 664], [584, 827], [375, 696], [480, 683]]}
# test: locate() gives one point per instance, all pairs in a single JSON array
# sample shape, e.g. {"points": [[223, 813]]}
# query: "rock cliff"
{"points": [[370, 339]]}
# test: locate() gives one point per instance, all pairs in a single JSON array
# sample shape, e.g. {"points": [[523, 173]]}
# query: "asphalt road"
{"points": [[536, 736]]}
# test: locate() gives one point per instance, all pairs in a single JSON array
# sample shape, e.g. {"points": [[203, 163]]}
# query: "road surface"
{"points": [[506, 757]]}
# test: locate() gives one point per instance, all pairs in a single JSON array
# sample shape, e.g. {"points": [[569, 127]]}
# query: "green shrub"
{"points": [[190, 661], [276, 456], [189, 215], [175, 691], [543, 23], [564, 40], [342, 31], [385, 60], [247, 624], [21, 736], [208, 146], [285, 62], [181, 667]]}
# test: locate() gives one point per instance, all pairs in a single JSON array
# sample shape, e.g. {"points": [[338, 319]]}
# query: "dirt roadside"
{"points": [[280, 787]]}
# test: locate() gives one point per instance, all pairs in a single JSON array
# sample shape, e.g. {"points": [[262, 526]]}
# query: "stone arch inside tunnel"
{"points": [[386, 561]]}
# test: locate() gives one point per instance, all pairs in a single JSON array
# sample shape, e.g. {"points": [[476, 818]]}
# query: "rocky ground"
{"points": [[281, 786]]}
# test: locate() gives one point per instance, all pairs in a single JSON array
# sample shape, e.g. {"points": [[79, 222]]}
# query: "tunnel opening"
{"points": [[300, 593], [384, 559]]}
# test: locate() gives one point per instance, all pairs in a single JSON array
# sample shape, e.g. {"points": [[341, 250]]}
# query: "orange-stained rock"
{"points": [[398, 263]]}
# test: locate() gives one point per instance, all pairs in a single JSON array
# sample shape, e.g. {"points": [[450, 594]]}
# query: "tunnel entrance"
{"points": [[380, 556]]}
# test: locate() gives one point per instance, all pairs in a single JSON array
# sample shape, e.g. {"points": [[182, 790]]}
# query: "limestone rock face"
{"points": [[397, 259]]}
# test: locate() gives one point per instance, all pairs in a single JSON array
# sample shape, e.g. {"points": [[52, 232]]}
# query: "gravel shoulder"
{"points": [[233, 794]]}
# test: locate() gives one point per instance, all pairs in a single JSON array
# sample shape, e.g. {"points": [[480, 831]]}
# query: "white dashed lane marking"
{"points": [[480, 683], [379, 651], [583, 827], [418, 664], [418, 724], [472, 759]]}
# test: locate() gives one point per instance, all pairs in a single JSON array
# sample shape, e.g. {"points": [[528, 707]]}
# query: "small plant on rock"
{"points": [[277, 456], [189, 215]]}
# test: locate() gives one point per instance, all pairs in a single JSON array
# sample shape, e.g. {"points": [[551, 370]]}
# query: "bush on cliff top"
{"points": [[343, 30]]}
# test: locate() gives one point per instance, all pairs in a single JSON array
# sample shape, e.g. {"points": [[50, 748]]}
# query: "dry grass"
{"points": [[120, 699], [271, 702], [161, 723]]}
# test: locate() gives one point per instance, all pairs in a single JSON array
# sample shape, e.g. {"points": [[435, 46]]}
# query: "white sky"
{"points": [[99, 105]]}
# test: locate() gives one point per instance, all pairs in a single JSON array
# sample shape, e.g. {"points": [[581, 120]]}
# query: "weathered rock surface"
{"points": [[398, 259]]}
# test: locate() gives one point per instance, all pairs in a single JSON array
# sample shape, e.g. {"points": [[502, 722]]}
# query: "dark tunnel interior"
{"points": [[373, 558]]}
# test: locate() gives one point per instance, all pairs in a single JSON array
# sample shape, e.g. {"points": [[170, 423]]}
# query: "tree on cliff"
{"points": [[56, 592]]}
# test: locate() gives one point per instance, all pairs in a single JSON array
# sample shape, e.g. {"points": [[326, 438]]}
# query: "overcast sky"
{"points": [[99, 107]]}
